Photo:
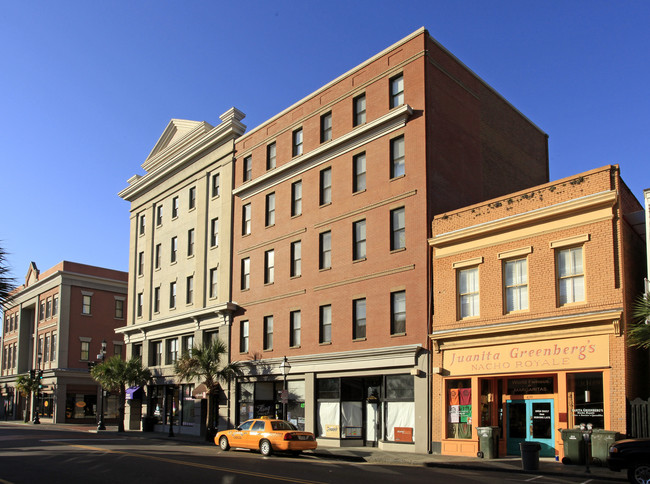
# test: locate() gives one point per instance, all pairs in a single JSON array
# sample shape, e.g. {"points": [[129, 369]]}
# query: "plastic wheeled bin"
{"points": [[488, 438], [530, 455], [601, 441], [574, 446]]}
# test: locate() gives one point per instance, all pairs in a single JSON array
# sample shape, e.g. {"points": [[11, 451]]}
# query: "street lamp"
{"points": [[285, 367], [38, 375], [100, 424]]}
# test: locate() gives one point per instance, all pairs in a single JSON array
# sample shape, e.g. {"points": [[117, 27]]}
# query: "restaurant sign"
{"points": [[557, 354]]}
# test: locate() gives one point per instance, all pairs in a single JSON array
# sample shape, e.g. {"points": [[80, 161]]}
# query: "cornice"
{"points": [[391, 121]]}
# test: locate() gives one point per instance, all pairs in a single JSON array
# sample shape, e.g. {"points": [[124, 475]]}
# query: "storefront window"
{"points": [[296, 405], [459, 409], [245, 400], [187, 415], [156, 403], [79, 405], [328, 408], [399, 409], [585, 397]]}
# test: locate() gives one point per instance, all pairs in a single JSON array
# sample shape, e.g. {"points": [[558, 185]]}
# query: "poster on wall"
{"points": [[454, 413]]}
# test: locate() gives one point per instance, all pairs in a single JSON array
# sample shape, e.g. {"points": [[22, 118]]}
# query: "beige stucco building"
{"points": [[179, 262]]}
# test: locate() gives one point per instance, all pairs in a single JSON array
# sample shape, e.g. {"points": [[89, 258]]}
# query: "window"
{"points": [[297, 142], [359, 240], [325, 260], [156, 299], [85, 304], [156, 353], [245, 273], [398, 312], [248, 168], [326, 127], [516, 284], [172, 295], [359, 318], [359, 107], [243, 336], [158, 255], [325, 186], [571, 277], [214, 232], [53, 351], [269, 266], [172, 351], [85, 350], [48, 308], [174, 249], [359, 173], [159, 215], [246, 219], [192, 198], [190, 242], [296, 198], [46, 348], [139, 303], [41, 312], [270, 156], [174, 207], [325, 324], [142, 224], [189, 290], [216, 185], [55, 307], [296, 258], [141, 263], [117, 350], [468, 294], [268, 332], [270, 209], [119, 309], [397, 157], [213, 282], [294, 329], [397, 91], [188, 344], [397, 229]]}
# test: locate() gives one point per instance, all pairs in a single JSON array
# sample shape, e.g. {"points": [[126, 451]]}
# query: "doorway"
{"points": [[530, 420]]}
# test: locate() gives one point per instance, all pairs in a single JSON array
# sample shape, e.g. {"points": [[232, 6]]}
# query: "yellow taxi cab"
{"points": [[266, 435]]}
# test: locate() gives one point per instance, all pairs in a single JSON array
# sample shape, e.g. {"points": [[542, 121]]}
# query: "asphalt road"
{"points": [[34, 455]]}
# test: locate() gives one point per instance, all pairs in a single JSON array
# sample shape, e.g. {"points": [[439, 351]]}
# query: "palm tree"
{"points": [[639, 334], [6, 283], [207, 364], [116, 375], [26, 385]]}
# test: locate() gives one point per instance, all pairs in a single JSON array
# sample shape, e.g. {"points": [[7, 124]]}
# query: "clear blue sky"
{"points": [[87, 87]]}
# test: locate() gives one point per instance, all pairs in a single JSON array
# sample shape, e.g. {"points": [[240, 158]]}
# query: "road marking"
{"points": [[78, 440], [533, 478], [194, 464], [2, 481]]}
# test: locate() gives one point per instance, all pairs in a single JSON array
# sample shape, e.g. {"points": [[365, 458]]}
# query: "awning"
{"points": [[200, 391], [130, 391]]}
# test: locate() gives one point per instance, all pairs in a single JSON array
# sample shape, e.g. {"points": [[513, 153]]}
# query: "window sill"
{"points": [[359, 192], [358, 339], [397, 335], [397, 177], [395, 251], [296, 277], [324, 204], [325, 269], [294, 347], [190, 256], [268, 284], [269, 226], [296, 215], [325, 343], [363, 259]]}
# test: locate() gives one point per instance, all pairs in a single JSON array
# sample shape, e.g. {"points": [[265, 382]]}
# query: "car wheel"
{"points": [[639, 473], [223, 443], [265, 448]]}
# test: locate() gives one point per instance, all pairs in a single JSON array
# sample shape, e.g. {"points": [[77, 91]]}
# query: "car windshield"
{"points": [[281, 425]]}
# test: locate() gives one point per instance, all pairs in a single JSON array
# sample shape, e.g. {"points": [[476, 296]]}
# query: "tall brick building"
{"points": [[56, 322], [333, 203], [532, 294]]}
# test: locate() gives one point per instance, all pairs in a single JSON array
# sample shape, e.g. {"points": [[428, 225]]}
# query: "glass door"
{"points": [[372, 424], [530, 420]]}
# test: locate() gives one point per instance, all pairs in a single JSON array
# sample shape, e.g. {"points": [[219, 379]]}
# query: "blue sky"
{"points": [[87, 87]]}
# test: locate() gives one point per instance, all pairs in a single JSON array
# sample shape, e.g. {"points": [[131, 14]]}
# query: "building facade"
{"points": [[533, 294], [333, 203], [56, 322], [179, 264]]}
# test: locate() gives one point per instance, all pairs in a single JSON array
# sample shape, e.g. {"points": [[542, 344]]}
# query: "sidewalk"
{"points": [[547, 466]]}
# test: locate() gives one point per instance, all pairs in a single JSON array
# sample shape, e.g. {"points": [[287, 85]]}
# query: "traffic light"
{"points": [[40, 379], [32, 374]]}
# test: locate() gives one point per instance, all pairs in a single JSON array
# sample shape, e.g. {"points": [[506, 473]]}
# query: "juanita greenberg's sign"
{"points": [[557, 354]]}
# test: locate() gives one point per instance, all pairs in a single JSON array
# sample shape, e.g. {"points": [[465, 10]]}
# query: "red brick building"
{"points": [[333, 203], [56, 322], [532, 295]]}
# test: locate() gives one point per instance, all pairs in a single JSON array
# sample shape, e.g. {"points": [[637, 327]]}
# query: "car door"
{"points": [[256, 433], [241, 435]]}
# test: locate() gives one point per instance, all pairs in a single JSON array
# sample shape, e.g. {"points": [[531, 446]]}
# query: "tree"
{"points": [[639, 334], [116, 375], [26, 385], [7, 283], [207, 364]]}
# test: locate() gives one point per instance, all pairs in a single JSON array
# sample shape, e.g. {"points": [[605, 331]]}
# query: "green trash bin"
{"points": [[488, 439], [574, 446], [601, 441]]}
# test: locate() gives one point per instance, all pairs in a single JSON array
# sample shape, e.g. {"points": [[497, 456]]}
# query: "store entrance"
{"points": [[530, 420]]}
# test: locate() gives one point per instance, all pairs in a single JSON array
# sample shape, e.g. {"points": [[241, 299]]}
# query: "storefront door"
{"points": [[530, 420], [372, 424]]}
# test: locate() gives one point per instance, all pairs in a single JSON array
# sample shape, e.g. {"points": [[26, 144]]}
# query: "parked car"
{"points": [[266, 435], [633, 455]]}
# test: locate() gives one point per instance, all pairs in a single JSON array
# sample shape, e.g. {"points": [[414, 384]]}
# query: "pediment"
{"points": [[32, 274], [176, 130]]}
